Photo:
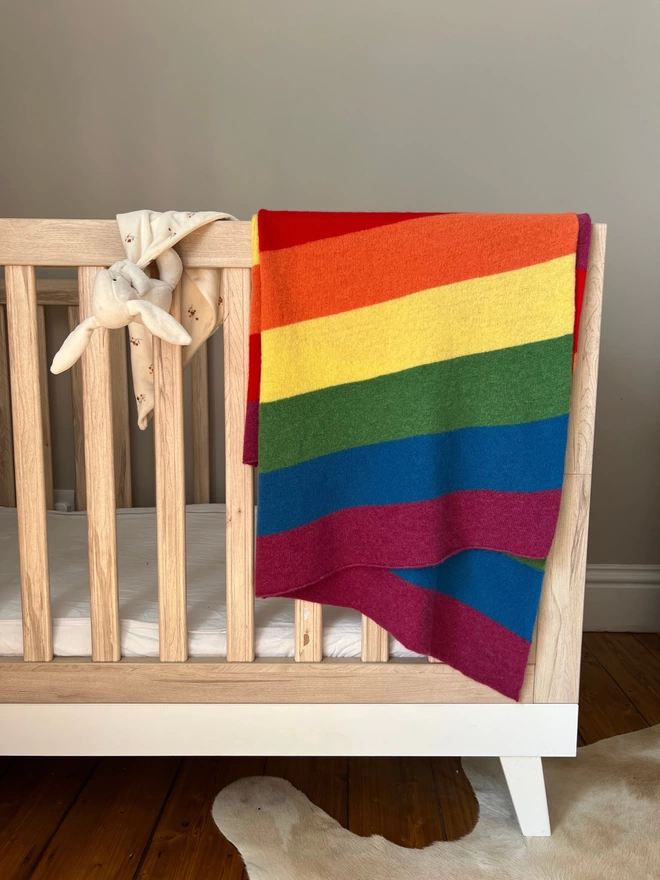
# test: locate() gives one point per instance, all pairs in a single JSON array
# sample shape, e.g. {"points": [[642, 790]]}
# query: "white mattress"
{"points": [[136, 541]]}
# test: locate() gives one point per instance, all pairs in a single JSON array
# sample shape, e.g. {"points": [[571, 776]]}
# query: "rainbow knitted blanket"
{"points": [[408, 399]]}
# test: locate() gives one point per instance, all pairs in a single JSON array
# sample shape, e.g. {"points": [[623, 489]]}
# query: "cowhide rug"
{"points": [[604, 807]]}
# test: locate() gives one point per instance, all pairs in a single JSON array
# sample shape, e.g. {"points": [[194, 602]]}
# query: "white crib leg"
{"points": [[524, 777]]}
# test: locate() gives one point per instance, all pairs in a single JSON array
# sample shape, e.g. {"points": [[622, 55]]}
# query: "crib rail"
{"points": [[99, 385]]}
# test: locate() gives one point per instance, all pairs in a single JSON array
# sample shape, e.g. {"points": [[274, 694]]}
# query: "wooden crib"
{"points": [[238, 705]]}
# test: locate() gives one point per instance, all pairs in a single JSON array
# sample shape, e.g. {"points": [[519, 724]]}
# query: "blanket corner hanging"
{"points": [[408, 397]]}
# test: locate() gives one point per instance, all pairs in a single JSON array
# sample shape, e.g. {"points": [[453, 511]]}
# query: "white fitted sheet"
{"points": [[136, 542]]}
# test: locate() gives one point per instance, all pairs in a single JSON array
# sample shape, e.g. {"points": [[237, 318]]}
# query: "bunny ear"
{"points": [[158, 321], [74, 345]]}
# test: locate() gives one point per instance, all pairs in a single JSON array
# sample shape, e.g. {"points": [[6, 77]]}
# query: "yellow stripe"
{"points": [[479, 315], [255, 241]]}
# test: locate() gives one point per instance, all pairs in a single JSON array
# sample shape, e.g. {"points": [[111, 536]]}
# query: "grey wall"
{"points": [[470, 105]]}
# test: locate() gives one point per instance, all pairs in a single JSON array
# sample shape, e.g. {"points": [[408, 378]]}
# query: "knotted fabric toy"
{"points": [[124, 295]]}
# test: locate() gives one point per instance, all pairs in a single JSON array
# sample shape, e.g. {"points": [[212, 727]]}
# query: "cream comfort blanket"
{"points": [[145, 236]]}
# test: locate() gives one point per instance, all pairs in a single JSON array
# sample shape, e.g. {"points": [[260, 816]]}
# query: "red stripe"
{"points": [[408, 535], [283, 229], [580, 281], [429, 623]]}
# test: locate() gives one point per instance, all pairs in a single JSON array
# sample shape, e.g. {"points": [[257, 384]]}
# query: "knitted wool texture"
{"points": [[408, 396]]}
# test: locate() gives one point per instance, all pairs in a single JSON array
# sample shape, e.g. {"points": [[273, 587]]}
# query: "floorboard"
{"points": [[109, 825], [186, 843], [35, 796], [457, 801], [634, 668], [396, 799], [650, 641], [150, 818], [605, 710]]}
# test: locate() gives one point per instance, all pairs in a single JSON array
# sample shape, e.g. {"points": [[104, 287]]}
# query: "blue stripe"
{"points": [[502, 588], [504, 458]]}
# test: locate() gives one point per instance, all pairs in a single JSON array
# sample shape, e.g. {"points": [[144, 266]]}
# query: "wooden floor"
{"points": [[139, 818]]}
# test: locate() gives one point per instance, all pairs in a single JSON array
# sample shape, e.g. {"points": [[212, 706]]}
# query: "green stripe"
{"points": [[538, 564], [511, 386]]}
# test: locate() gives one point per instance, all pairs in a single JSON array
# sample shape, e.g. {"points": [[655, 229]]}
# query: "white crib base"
{"points": [[519, 734], [504, 730]]}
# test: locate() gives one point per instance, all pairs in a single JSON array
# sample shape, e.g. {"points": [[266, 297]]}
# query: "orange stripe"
{"points": [[335, 275], [255, 308]]}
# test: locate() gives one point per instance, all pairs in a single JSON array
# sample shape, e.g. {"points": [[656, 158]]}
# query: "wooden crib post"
{"points": [[170, 495], [239, 477], [29, 461], [558, 648], [100, 476], [7, 489]]}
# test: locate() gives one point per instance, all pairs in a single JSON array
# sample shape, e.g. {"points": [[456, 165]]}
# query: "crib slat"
{"points": [[375, 642], [7, 490], [29, 462], [120, 412], [308, 636], [239, 483], [199, 378], [100, 474], [73, 319], [45, 406], [170, 496]]}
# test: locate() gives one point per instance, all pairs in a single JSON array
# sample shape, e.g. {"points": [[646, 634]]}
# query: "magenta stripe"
{"points": [[251, 436], [408, 535], [583, 242], [430, 623]]}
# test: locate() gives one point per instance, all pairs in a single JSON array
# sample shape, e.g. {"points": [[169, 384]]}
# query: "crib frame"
{"points": [[238, 705]]}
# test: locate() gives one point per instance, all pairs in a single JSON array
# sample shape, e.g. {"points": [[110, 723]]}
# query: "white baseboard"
{"points": [[622, 598]]}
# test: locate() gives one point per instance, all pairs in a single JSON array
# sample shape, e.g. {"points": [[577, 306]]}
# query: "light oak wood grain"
{"points": [[45, 405], [559, 629], [120, 413], [77, 680], [29, 461], [308, 631], [170, 495], [97, 243], [239, 481], [7, 488], [580, 449], [100, 477], [80, 495], [201, 455], [52, 292], [375, 642]]}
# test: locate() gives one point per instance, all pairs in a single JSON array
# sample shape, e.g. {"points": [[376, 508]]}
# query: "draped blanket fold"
{"points": [[408, 396]]}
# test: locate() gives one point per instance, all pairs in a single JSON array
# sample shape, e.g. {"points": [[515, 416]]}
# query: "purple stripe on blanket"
{"points": [[430, 623], [251, 436], [584, 240], [407, 535]]}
